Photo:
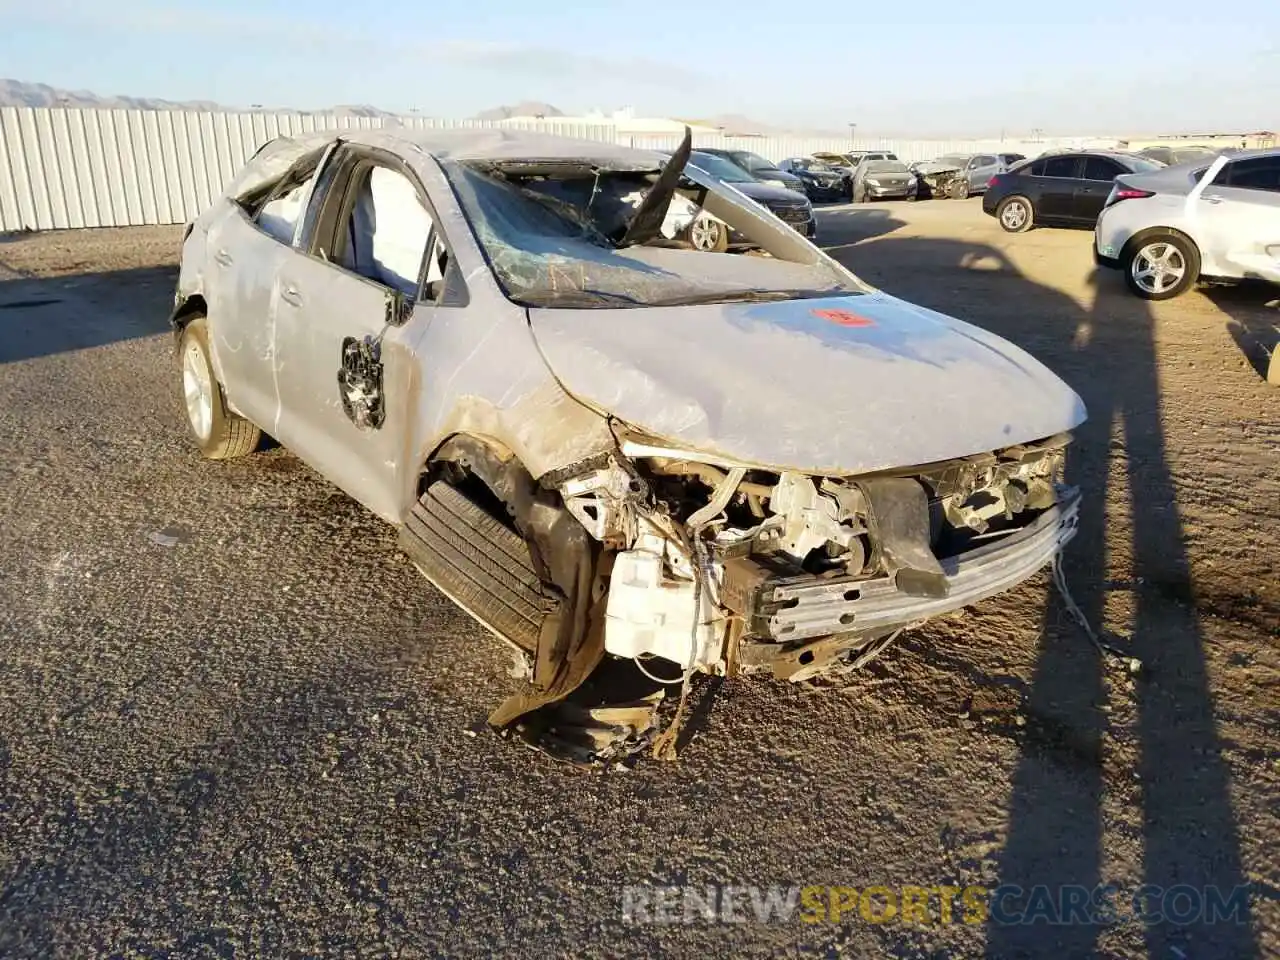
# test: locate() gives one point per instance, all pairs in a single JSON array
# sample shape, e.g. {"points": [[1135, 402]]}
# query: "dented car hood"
{"points": [[838, 385]]}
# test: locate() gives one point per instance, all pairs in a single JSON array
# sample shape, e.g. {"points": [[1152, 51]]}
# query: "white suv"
{"points": [[1216, 221]]}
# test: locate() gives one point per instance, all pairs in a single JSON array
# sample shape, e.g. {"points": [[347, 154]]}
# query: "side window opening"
{"points": [[386, 230], [1099, 168], [1259, 173], [1062, 167], [299, 174], [279, 216]]}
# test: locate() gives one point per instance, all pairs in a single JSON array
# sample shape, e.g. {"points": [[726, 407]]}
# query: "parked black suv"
{"points": [[764, 170], [1068, 189]]}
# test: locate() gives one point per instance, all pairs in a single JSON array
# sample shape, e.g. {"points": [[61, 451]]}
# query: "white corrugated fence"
{"points": [[63, 168], [112, 168]]}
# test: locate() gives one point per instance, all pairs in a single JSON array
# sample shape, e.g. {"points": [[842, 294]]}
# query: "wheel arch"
{"points": [[1148, 233], [563, 554], [185, 310], [490, 460]]}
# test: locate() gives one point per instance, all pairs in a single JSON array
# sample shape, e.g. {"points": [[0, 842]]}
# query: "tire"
{"points": [[219, 433], [1016, 214], [707, 234], [1173, 258], [481, 563], [958, 189]]}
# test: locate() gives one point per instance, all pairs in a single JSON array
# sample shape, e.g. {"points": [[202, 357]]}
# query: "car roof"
{"points": [[1093, 152], [496, 144], [489, 143]]}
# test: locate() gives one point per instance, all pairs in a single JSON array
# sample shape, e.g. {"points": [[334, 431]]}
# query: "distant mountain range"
{"points": [[16, 93], [525, 108]]}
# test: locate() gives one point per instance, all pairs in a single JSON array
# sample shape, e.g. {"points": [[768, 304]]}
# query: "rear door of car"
{"points": [[1239, 215], [245, 250], [981, 169], [1092, 190], [1057, 186], [353, 301]]}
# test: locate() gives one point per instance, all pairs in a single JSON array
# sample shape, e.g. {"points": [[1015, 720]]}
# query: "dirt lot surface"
{"points": [[235, 722]]}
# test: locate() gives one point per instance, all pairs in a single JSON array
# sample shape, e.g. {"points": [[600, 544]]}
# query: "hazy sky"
{"points": [[926, 67]]}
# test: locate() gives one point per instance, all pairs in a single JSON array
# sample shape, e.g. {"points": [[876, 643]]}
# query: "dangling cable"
{"points": [[1133, 664]]}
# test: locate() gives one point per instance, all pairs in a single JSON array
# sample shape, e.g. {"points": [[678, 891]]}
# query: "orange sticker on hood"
{"points": [[843, 318]]}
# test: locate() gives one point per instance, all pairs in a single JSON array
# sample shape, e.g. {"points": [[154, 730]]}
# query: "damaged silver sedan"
{"points": [[601, 441]]}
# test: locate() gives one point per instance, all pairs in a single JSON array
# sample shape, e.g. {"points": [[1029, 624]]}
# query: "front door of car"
{"points": [[1092, 191], [349, 318], [1239, 214], [245, 252], [1058, 187]]}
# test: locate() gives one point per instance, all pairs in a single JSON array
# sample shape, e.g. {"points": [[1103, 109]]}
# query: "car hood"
{"points": [[839, 385], [775, 174], [933, 166], [765, 192], [822, 176]]}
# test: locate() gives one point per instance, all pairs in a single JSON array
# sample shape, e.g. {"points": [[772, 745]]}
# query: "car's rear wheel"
{"points": [[1161, 266], [708, 235], [1015, 214], [219, 433]]}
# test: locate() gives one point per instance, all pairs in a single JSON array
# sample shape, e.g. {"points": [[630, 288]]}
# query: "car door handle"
{"points": [[1211, 199], [224, 258], [291, 296]]}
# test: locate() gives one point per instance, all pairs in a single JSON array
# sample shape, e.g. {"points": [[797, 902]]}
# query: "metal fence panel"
{"points": [[91, 168]]}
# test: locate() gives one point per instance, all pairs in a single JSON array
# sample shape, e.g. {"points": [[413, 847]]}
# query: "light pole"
{"points": [[853, 133]]}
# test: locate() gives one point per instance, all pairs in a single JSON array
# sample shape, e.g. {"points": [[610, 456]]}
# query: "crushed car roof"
{"points": [[481, 144], [277, 155]]}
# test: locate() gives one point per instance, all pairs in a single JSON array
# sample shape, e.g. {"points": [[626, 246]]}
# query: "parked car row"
{"points": [[1215, 218]]}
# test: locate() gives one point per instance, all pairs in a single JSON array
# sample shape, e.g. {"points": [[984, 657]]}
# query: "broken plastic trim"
{"points": [[647, 222]]}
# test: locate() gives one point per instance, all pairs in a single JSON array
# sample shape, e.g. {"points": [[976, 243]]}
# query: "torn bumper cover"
{"points": [[789, 608]]}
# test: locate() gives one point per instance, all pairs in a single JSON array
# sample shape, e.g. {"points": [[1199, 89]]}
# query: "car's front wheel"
{"points": [[1160, 267], [958, 189], [219, 433], [1015, 214]]}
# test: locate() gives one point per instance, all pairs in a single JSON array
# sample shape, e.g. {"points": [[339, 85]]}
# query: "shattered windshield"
{"points": [[552, 240], [886, 166]]}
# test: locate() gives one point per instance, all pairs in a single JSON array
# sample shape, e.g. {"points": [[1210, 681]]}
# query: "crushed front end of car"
{"points": [[797, 467], [934, 179], [725, 569]]}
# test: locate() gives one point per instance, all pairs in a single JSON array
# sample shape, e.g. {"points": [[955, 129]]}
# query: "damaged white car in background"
{"points": [[606, 445]]}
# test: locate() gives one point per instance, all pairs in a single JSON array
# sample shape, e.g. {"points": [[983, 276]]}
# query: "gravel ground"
{"points": [[234, 721]]}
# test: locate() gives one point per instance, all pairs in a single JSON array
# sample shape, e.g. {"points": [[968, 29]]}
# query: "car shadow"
{"points": [[1253, 311], [45, 316], [1055, 838], [844, 226]]}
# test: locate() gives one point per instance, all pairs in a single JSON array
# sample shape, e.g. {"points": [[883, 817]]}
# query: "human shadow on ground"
{"points": [[1106, 351], [1253, 310]]}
